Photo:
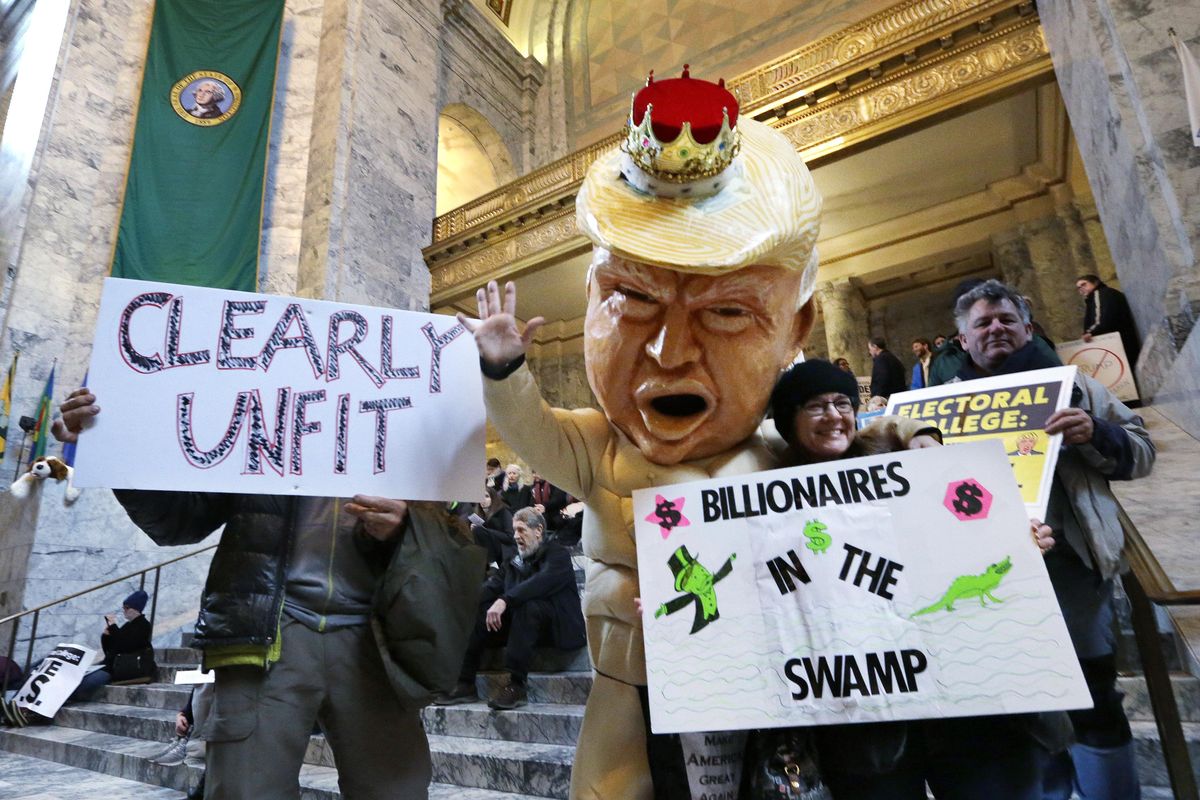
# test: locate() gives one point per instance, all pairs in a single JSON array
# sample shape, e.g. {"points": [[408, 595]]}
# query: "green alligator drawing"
{"points": [[980, 586], [818, 539], [698, 586]]}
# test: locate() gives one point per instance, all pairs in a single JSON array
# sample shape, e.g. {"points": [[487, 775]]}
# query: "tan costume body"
{"points": [[581, 452]]}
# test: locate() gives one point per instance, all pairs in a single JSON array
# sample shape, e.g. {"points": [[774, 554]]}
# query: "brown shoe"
{"points": [[510, 696], [462, 693]]}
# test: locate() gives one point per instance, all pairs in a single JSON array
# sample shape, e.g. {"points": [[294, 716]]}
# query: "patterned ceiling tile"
{"points": [[620, 41]]}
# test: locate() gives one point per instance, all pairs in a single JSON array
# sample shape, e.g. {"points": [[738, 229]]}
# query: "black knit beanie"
{"points": [[803, 382]]}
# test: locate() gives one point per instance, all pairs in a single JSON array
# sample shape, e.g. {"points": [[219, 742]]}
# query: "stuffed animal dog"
{"points": [[40, 470]]}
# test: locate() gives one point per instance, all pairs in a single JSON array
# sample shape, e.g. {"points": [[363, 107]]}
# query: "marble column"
{"points": [[846, 322], [1120, 79], [372, 160], [1089, 217]]}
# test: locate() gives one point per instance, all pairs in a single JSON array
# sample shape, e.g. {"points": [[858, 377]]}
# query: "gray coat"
{"points": [[1090, 522]]}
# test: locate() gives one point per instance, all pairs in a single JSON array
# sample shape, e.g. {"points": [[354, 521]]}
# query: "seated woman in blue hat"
{"points": [[131, 638]]}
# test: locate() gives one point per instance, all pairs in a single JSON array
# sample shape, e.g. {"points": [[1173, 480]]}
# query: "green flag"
{"points": [[194, 193]]}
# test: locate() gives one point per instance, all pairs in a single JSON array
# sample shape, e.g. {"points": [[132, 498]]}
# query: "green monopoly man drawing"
{"points": [[698, 586]]}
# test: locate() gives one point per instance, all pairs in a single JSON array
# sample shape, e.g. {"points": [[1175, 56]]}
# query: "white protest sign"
{"points": [[897, 586], [1012, 408], [1104, 359], [222, 391], [53, 680]]}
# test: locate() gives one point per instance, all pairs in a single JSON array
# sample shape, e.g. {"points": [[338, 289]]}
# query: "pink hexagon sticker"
{"points": [[968, 500]]}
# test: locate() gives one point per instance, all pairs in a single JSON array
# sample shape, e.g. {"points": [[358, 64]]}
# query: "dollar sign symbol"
{"points": [[669, 516], [968, 495]]}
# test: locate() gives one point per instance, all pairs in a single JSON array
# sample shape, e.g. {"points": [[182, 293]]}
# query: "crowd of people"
{"points": [[687, 343], [937, 361]]}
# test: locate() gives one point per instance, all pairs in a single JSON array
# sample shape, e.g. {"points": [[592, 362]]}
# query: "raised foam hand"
{"points": [[498, 333]]}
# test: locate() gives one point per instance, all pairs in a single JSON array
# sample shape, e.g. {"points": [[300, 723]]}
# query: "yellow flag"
{"points": [[6, 404]]}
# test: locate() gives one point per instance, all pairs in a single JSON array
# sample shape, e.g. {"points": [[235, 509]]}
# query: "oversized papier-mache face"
{"points": [[705, 233], [683, 364]]}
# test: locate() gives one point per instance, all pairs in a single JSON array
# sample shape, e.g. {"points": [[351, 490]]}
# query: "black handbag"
{"points": [[134, 666], [781, 764]]}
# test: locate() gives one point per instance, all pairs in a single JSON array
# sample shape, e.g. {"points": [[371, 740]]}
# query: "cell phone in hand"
{"points": [[475, 519]]}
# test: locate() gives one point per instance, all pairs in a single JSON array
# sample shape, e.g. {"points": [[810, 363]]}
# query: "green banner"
{"points": [[194, 193]]}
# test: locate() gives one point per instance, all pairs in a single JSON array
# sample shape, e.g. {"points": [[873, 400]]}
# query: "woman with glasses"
{"points": [[993, 758]]}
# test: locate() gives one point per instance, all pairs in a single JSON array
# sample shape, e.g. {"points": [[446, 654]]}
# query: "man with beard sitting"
{"points": [[529, 600]]}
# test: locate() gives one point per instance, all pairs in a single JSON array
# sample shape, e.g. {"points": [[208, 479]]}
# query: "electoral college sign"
{"points": [[223, 391], [897, 586], [1012, 408]]}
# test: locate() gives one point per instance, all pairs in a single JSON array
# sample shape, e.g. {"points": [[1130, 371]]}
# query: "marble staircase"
{"points": [[478, 754]]}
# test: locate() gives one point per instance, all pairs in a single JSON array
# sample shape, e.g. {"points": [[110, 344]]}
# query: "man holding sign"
{"points": [[1102, 440], [284, 620]]}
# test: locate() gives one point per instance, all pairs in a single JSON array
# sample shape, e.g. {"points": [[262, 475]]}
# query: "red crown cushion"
{"points": [[680, 100]]}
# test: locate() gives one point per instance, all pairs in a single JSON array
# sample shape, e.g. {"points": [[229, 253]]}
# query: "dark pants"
{"points": [[92, 682], [978, 758], [521, 629]]}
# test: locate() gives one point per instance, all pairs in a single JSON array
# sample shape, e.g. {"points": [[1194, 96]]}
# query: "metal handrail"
{"points": [[15, 619], [1147, 584]]}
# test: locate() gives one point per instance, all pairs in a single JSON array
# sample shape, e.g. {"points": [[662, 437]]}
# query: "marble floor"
{"points": [[24, 778]]}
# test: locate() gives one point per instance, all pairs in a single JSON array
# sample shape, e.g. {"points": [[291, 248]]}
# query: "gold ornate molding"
{"points": [[915, 60], [866, 44], [952, 77]]}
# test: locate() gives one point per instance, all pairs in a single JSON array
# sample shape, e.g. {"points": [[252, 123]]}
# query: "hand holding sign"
{"points": [[79, 407], [1075, 424], [382, 517]]}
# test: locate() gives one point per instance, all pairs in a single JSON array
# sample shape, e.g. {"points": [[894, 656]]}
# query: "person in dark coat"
{"points": [[494, 529], [887, 373], [494, 478], [514, 495], [548, 500], [132, 637], [1105, 310], [530, 600]]}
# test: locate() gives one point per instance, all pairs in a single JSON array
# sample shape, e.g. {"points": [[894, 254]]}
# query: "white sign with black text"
{"points": [[223, 391], [898, 586]]}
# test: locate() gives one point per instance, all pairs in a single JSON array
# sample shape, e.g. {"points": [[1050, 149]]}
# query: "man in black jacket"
{"points": [[531, 599], [1105, 310], [887, 373], [285, 623]]}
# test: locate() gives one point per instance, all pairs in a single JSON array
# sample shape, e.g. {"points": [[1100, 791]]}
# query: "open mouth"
{"points": [[679, 405], [672, 410]]}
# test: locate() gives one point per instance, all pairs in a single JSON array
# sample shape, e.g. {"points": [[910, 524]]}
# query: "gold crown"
{"points": [[684, 159]]}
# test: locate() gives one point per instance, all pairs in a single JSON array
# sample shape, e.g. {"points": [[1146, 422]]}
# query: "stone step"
{"points": [[536, 722], [485, 763], [1152, 769], [36, 779], [545, 659], [570, 688], [176, 655], [544, 769], [147, 695], [1137, 698], [127, 758]]}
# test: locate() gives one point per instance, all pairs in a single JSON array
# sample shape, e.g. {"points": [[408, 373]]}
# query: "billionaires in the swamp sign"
{"points": [[217, 390], [897, 586], [1011, 408]]}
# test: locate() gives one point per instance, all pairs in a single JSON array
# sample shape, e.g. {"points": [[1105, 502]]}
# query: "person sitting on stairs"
{"points": [[531, 599]]}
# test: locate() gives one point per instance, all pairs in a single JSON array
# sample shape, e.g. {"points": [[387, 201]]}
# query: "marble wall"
{"points": [[1120, 80], [480, 68], [351, 177]]}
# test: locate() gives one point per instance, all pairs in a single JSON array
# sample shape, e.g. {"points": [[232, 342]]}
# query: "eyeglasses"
{"points": [[817, 407]]}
